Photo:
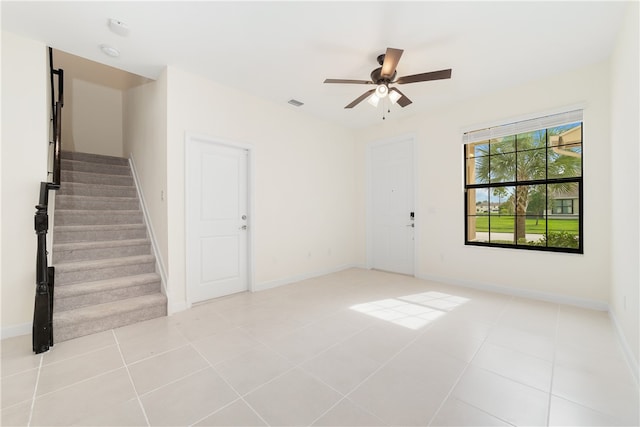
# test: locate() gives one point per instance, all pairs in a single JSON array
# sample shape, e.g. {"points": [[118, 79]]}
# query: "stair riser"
{"points": [[62, 256], [98, 235], [63, 332], [95, 190], [81, 166], [97, 218], [95, 178], [78, 276], [79, 301], [95, 158], [93, 203]]}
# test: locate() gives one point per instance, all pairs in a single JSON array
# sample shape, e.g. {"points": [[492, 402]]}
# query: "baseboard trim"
{"points": [[162, 271], [522, 293], [269, 284], [16, 330], [634, 365]]}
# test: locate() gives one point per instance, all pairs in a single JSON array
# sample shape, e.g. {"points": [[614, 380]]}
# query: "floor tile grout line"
{"points": [[240, 396], [35, 392], [148, 392], [76, 356], [101, 374], [553, 363], [162, 353], [467, 364], [211, 366], [135, 390]]}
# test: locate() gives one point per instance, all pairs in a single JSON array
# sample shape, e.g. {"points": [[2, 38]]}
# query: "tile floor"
{"points": [[352, 348]]}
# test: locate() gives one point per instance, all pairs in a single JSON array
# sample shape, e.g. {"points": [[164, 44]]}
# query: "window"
{"points": [[563, 206], [523, 184]]}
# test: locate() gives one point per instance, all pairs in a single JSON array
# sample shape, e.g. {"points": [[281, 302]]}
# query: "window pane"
{"points": [[565, 151], [564, 232], [503, 145], [564, 199], [502, 201], [501, 229], [535, 223], [478, 228], [531, 140], [565, 161], [477, 149], [532, 164], [477, 170], [503, 167]]}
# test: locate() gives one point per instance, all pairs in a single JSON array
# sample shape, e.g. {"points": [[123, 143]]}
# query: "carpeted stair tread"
{"points": [[97, 217], [98, 244], [93, 167], [102, 190], [73, 202], [107, 284], [82, 233], [103, 263], [88, 320], [96, 158], [95, 178], [71, 297], [81, 251]]}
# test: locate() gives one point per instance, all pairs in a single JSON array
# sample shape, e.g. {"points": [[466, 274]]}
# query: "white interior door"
{"points": [[217, 236], [391, 205]]}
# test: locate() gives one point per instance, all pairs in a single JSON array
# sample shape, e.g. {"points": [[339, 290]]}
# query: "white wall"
{"points": [[93, 118], [145, 141], [440, 208], [25, 136], [625, 237], [305, 214]]}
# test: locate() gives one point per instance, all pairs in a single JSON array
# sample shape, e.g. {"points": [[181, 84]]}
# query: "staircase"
{"points": [[105, 271]]}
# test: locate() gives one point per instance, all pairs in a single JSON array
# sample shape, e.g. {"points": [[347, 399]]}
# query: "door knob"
{"points": [[244, 227], [411, 225]]}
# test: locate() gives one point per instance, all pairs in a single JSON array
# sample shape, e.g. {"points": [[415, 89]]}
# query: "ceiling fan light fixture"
{"points": [[382, 91], [394, 96], [374, 100]]}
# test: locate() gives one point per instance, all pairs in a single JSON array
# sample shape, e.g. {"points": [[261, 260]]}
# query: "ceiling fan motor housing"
{"points": [[378, 78]]}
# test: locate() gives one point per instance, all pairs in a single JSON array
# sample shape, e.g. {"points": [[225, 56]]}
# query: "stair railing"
{"points": [[42, 334]]}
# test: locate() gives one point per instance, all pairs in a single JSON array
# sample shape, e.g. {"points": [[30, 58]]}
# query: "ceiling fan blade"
{"points": [[361, 98], [403, 101], [358, 82], [391, 59], [425, 77]]}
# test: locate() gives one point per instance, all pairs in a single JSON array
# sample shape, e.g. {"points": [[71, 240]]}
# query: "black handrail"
{"points": [[42, 334]]}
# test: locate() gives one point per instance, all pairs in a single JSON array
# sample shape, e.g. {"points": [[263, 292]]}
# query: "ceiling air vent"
{"points": [[295, 102]]}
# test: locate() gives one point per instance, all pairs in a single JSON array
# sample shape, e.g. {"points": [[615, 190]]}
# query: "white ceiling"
{"points": [[284, 50]]}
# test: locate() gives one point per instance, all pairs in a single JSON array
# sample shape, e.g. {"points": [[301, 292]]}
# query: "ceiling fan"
{"points": [[384, 76]]}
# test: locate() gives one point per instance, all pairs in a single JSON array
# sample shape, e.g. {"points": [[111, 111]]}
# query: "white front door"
{"points": [[391, 206], [217, 220]]}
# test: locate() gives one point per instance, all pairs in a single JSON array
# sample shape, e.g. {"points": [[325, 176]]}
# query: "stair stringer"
{"points": [[160, 265]]}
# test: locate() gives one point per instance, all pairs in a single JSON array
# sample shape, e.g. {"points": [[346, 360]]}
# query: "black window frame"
{"points": [[547, 181]]}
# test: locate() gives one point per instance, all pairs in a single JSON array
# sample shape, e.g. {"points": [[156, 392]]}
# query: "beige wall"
{"points": [[25, 136], [305, 213], [93, 118], [145, 141], [625, 237], [440, 208]]}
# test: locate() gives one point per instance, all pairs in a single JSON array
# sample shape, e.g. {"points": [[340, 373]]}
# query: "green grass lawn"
{"points": [[506, 224]]}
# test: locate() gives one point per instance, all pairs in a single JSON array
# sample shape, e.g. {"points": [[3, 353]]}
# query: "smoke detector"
{"points": [[118, 27]]}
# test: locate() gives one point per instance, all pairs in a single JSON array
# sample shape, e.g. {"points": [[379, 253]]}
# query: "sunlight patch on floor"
{"points": [[412, 311]]}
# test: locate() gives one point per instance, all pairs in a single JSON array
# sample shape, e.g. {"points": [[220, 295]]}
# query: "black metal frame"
{"points": [[578, 180], [42, 333]]}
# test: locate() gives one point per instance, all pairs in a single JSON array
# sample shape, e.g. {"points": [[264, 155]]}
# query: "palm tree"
{"points": [[521, 158]]}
